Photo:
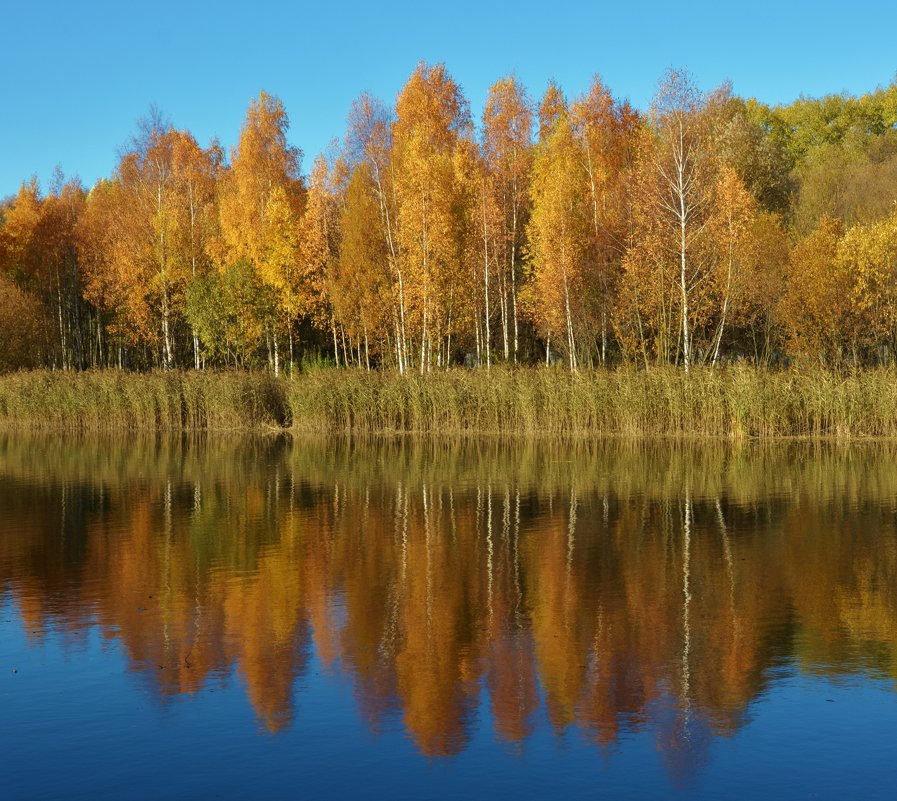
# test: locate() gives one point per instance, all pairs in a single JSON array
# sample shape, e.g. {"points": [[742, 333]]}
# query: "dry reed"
{"points": [[734, 402]]}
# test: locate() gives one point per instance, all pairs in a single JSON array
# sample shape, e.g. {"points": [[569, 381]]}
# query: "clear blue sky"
{"points": [[75, 76]]}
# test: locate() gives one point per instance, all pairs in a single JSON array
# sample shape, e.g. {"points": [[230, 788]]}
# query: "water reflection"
{"points": [[606, 588]]}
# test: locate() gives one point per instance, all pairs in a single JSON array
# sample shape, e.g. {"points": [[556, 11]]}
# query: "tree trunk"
{"points": [[367, 355], [487, 335], [335, 345], [571, 341], [290, 338], [168, 355], [722, 322]]}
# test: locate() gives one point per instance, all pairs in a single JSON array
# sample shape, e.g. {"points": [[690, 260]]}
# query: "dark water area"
{"points": [[269, 618]]}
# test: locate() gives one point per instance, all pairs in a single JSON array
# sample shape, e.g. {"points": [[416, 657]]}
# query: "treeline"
{"points": [[706, 229]]}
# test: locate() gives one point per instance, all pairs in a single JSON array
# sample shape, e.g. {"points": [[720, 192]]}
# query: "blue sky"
{"points": [[75, 76]]}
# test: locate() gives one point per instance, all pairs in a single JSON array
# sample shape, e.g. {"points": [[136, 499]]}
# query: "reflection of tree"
{"points": [[631, 588], [509, 655]]}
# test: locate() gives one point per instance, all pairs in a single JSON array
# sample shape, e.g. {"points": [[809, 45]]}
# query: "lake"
{"points": [[408, 619]]}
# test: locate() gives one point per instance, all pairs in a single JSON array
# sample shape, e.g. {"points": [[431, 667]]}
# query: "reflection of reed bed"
{"points": [[744, 472], [736, 402], [94, 458]]}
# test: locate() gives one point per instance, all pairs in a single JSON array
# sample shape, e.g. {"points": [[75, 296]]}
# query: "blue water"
{"points": [[84, 715]]}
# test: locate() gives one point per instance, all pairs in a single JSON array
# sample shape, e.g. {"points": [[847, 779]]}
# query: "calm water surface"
{"points": [[274, 619]]}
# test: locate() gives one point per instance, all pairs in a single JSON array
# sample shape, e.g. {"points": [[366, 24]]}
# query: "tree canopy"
{"points": [[705, 229]]}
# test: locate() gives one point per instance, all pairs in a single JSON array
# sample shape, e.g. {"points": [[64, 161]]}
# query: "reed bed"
{"points": [[170, 401], [734, 402]]}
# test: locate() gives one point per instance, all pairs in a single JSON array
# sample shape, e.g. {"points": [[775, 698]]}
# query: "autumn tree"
{"points": [[507, 156], [37, 253], [753, 141], [558, 234], [731, 228], [478, 229], [262, 200], [147, 233], [868, 254], [20, 279], [816, 306], [106, 286], [369, 141], [431, 117], [318, 249], [671, 257], [760, 286], [145, 229], [552, 107], [21, 218], [361, 287], [23, 327], [606, 132], [196, 172]]}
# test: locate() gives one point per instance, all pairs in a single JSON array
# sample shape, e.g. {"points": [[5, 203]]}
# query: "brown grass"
{"points": [[735, 402]]}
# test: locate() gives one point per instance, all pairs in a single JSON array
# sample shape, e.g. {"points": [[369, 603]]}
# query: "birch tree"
{"points": [[431, 116], [606, 132], [507, 153], [318, 251], [732, 223], [672, 202], [262, 199], [129, 243], [361, 287], [558, 231], [196, 174], [369, 141]]}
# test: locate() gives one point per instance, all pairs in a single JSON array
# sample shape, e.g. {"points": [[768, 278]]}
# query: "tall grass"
{"points": [[173, 401], [735, 402]]}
